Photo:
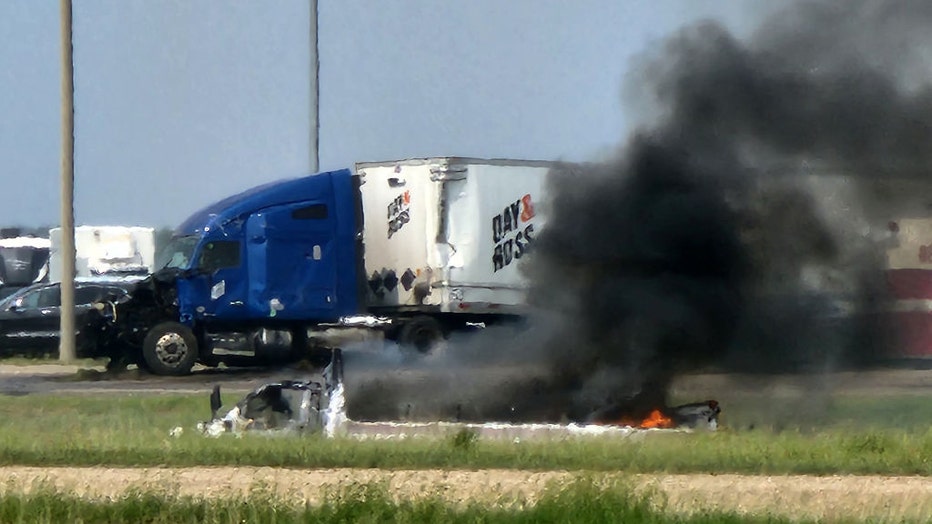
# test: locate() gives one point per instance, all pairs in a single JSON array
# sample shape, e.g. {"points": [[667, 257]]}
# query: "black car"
{"points": [[30, 319]]}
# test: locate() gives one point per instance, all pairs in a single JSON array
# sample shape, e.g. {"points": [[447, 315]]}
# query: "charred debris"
{"points": [[289, 406]]}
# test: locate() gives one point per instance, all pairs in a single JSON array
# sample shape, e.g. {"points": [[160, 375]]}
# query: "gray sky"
{"points": [[181, 102]]}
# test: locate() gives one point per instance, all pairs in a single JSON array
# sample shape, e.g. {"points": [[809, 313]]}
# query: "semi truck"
{"points": [[418, 248]]}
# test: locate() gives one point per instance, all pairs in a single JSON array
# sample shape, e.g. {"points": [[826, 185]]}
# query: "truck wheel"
{"points": [[421, 333], [170, 348]]}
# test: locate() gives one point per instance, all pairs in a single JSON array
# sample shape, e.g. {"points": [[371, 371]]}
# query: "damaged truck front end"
{"points": [[128, 319]]}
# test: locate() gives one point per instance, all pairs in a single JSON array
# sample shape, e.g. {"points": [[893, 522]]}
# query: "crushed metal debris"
{"points": [[289, 406]]}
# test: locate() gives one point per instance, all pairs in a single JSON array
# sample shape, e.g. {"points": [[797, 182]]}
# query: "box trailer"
{"points": [[445, 235]]}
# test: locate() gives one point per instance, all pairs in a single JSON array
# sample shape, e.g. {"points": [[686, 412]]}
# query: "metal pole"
{"points": [[67, 348], [315, 92]]}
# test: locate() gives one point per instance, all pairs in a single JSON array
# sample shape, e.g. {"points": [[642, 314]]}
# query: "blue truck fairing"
{"points": [[281, 252]]}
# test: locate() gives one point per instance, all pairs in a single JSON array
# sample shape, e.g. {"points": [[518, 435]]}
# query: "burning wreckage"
{"points": [[318, 407], [697, 415], [289, 406]]}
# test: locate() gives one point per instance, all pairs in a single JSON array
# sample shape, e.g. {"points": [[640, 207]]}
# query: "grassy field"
{"points": [[888, 435]]}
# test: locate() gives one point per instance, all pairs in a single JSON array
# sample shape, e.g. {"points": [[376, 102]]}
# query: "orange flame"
{"points": [[656, 419]]}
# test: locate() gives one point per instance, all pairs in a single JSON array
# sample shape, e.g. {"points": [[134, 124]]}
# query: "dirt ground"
{"points": [[857, 497]]}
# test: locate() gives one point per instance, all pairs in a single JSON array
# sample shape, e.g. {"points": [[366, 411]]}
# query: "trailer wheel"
{"points": [[421, 333], [170, 348]]}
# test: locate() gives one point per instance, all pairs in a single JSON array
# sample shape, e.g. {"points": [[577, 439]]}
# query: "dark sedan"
{"points": [[30, 318]]}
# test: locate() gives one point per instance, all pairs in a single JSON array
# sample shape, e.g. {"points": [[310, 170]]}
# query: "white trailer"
{"points": [[103, 250], [447, 235]]}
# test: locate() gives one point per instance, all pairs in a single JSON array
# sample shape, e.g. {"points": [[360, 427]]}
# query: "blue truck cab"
{"points": [[251, 272]]}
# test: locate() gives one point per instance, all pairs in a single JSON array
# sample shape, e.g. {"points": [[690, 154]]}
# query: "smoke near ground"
{"points": [[736, 223]]}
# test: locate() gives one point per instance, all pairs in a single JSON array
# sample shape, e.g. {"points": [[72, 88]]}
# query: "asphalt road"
{"points": [[45, 377], [56, 378]]}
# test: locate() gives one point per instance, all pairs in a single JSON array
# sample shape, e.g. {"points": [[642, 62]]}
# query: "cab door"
{"points": [[291, 261], [216, 286]]}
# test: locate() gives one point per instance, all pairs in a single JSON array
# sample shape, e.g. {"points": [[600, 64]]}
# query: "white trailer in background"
{"points": [[909, 281], [24, 260], [101, 250]]}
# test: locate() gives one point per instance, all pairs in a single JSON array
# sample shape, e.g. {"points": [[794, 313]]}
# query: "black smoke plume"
{"points": [[743, 214], [714, 238]]}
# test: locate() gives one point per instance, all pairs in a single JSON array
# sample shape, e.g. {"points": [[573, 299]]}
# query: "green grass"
{"points": [[133, 431], [580, 501]]}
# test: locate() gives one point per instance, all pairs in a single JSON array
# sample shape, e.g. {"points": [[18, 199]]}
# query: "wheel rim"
{"points": [[171, 349]]}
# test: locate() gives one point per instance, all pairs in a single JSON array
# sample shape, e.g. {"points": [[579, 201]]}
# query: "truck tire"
{"points": [[170, 348], [421, 334]]}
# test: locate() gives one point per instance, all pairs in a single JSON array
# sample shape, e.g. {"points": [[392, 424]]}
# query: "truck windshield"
{"points": [[178, 252]]}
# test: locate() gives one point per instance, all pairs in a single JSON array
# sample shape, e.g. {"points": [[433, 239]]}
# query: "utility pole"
{"points": [[67, 347], [315, 92]]}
